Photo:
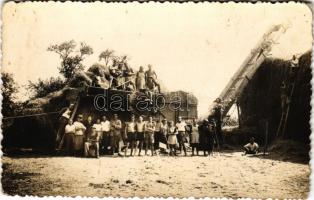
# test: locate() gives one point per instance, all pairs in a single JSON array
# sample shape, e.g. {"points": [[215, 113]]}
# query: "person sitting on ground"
{"points": [[251, 147], [92, 141]]}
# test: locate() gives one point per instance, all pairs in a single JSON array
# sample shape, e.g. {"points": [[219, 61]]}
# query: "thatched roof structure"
{"points": [[261, 98], [39, 131]]}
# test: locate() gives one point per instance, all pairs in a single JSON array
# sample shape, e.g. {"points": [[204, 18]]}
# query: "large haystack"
{"points": [[261, 100], [39, 131]]}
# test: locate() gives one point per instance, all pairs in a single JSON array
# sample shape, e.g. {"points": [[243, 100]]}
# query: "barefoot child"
{"points": [[172, 139], [194, 138]]}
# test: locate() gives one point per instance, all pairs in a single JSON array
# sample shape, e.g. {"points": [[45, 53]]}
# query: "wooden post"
{"points": [[239, 114], [75, 108], [266, 137]]}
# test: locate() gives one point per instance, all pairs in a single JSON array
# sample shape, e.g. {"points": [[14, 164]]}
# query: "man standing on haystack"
{"points": [[151, 79]]}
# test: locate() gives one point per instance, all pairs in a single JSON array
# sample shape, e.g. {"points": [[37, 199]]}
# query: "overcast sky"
{"points": [[193, 47]]}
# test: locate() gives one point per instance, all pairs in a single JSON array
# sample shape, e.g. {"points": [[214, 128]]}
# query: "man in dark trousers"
{"points": [[181, 127], [89, 126], [116, 137], [251, 147], [206, 130], [217, 114]]}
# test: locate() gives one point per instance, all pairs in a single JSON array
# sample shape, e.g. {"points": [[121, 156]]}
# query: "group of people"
{"points": [[122, 77], [103, 136], [92, 137]]}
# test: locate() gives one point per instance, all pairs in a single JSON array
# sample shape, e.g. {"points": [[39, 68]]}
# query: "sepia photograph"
{"points": [[156, 99]]}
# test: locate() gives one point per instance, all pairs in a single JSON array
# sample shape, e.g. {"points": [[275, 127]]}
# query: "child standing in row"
{"points": [[172, 139], [194, 140]]}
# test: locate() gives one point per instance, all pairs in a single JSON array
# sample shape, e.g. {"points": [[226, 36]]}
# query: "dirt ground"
{"points": [[225, 175]]}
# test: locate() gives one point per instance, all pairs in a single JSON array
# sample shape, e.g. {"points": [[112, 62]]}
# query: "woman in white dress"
{"points": [[140, 80], [194, 140], [172, 139]]}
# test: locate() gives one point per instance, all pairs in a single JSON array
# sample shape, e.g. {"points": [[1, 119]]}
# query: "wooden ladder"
{"points": [[77, 102], [285, 113]]}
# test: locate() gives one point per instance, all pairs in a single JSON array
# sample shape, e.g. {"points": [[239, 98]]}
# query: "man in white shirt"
{"points": [[181, 127], [251, 147], [105, 141]]}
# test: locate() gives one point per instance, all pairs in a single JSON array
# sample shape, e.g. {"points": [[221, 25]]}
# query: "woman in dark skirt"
{"points": [[205, 137], [164, 129]]}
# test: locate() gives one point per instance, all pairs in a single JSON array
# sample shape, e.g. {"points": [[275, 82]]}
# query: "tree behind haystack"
{"points": [[71, 59], [9, 89]]}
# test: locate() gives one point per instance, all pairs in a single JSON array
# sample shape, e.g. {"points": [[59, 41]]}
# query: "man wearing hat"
{"points": [[217, 114], [206, 135]]}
